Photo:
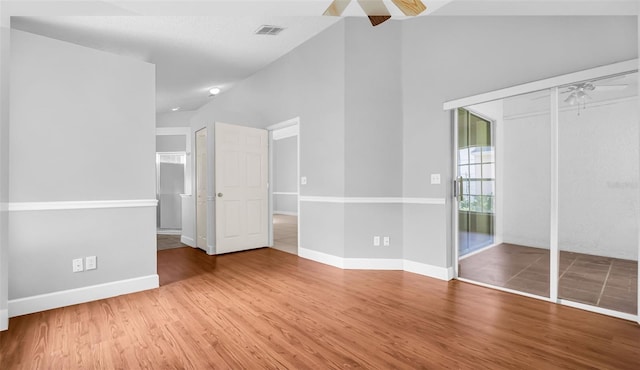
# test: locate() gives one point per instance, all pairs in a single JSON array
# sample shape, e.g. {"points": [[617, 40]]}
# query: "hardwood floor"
{"points": [[269, 309]]}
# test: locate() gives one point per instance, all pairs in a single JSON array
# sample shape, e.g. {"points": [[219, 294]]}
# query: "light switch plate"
{"points": [[303, 180], [386, 241], [90, 263], [376, 241], [435, 179]]}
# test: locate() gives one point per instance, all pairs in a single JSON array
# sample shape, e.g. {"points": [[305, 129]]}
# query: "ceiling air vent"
{"points": [[269, 30]]}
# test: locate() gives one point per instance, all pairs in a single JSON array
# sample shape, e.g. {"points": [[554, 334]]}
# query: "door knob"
{"points": [[219, 195]]}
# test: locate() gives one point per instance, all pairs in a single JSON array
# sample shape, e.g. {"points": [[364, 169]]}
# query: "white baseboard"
{"points": [[42, 302], [168, 232], [327, 259], [373, 264], [188, 241], [442, 273], [4, 319], [286, 213]]}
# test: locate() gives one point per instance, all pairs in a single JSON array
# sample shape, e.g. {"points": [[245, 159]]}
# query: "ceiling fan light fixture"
{"points": [[571, 99]]}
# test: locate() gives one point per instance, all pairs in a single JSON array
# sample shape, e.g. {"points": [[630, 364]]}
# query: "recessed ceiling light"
{"points": [[175, 109], [214, 90]]}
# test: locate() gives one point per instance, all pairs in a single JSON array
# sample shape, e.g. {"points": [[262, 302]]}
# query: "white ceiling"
{"points": [[191, 54], [202, 44]]}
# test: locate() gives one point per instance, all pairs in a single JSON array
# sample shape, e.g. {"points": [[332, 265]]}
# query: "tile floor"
{"points": [[169, 242], [600, 281], [285, 233]]}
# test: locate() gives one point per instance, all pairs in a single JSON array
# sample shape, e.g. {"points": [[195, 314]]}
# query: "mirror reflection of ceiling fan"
{"points": [[376, 10], [580, 93]]}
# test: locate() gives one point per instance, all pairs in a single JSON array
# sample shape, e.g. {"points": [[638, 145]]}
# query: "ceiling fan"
{"points": [[376, 10], [580, 93]]}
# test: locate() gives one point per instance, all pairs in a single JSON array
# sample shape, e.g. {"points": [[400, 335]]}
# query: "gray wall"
{"points": [[445, 58], [171, 143], [373, 136], [285, 175], [174, 119], [78, 135], [372, 123]]}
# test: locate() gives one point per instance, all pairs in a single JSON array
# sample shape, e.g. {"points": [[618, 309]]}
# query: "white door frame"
{"points": [[287, 127], [207, 191], [552, 85], [188, 179]]}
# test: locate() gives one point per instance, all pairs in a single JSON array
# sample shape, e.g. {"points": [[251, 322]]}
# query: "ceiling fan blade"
{"points": [[336, 8], [410, 7], [610, 87], [610, 79], [375, 10]]}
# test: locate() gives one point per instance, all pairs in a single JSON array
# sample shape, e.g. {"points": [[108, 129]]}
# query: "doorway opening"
{"points": [[284, 189], [173, 183]]}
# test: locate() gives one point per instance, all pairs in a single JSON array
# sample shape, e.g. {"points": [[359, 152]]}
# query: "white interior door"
{"points": [[201, 189], [241, 173]]}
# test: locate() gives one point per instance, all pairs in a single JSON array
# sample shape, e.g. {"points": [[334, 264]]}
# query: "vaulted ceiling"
{"points": [[202, 44]]}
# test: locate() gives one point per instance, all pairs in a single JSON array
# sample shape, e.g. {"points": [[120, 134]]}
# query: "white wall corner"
{"points": [[325, 258], [4, 319], [42, 302], [188, 241], [442, 273], [211, 250]]}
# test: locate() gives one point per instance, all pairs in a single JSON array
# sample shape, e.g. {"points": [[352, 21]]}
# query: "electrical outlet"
{"points": [[90, 263], [376, 241], [435, 179], [77, 265], [386, 241]]}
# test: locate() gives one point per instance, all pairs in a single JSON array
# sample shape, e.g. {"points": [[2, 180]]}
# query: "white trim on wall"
{"points": [[188, 241], [284, 124], [168, 232], [286, 213], [372, 200], [170, 131], [284, 193], [84, 204], [42, 302], [588, 74], [442, 273], [285, 132], [4, 319]]}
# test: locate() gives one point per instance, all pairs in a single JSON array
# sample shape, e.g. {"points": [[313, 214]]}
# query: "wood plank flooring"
{"points": [[269, 309]]}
